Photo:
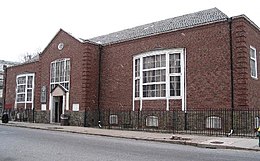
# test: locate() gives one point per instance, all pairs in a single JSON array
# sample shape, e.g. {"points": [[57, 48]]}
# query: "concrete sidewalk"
{"points": [[193, 140]]}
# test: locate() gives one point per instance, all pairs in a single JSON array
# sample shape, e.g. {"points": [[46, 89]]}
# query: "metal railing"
{"points": [[195, 121]]}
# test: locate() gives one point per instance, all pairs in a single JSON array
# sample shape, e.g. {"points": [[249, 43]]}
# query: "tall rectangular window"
{"points": [[60, 73], [24, 88], [137, 77], [253, 62], [175, 74]]}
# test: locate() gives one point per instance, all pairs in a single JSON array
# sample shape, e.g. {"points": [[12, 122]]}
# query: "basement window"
{"points": [[213, 122], [113, 119], [152, 121]]}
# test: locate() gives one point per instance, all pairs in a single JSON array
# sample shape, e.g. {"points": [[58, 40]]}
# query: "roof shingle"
{"points": [[168, 25]]}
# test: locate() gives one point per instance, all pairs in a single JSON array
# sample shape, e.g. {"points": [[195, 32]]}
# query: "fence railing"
{"points": [[238, 122], [195, 121], [22, 115]]}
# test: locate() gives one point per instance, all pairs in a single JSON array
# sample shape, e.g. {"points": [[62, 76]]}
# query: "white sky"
{"points": [[27, 26]]}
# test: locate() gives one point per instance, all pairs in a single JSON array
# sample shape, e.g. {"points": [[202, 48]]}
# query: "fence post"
{"points": [[33, 115], [85, 118], [185, 121]]}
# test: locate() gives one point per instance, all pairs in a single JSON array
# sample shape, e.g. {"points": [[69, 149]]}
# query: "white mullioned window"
{"points": [[253, 62], [25, 88], [60, 73], [159, 75]]}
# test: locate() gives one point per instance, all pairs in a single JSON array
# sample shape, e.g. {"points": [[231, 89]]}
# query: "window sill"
{"points": [[159, 98]]}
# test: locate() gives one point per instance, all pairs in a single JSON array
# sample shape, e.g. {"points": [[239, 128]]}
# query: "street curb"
{"points": [[199, 145]]}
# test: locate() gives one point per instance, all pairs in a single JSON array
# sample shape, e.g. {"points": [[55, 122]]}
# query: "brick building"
{"points": [[195, 61], [3, 65]]}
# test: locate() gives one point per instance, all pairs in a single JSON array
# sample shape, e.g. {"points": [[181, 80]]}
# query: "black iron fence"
{"points": [[237, 122], [195, 121], [22, 115]]}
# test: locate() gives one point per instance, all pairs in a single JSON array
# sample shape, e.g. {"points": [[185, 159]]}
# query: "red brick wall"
{"points": [[208, 67], [12, 72], [208, 81], [247, 88], [84, 63], [84, 69]]}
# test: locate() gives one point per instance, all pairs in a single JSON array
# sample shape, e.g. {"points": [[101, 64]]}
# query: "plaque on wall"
{"points": [[43, 94]]}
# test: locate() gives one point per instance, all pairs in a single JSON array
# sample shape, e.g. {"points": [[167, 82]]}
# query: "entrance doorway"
{"points": [[58, 100]]}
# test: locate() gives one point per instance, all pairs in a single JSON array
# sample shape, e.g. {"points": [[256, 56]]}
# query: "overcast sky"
{"points": [[27, 26]]}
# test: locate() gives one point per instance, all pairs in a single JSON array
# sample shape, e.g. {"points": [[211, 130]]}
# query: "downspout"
{"points": [[231, 74], [100, 47], [4, 85]]}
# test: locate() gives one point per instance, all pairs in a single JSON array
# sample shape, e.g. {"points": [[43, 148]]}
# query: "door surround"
{"points": [[58, 95]]}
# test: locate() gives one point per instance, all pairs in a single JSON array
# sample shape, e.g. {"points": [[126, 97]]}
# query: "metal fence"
{"points": [[195, 121], [237, 122], [22, 115]]}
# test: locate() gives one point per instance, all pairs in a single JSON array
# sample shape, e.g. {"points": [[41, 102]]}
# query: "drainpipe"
{"points": [[231, 73], [4, 86], [100, 47]]}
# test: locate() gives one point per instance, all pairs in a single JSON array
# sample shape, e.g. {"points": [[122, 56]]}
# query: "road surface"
{"points": [[23, 144]]}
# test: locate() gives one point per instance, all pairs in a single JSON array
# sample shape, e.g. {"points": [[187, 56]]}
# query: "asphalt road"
{"points": [[22, 144]]}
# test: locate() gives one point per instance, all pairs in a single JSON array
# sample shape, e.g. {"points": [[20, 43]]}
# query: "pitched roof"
{"points": [[168, 25]]}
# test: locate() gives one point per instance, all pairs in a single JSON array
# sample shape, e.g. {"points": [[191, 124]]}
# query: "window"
{"points": [[24, 88], [113, 119], [159, 74], [253, 62], [1, 93], [152, 121], [1, 80], [60, 73], [213, 122]]}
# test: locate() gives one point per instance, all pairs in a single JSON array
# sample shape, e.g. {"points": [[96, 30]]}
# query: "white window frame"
{"points": [[65, 74], [25, 92], [168, 75], [1, 93], [257, 122], [254, 59]]}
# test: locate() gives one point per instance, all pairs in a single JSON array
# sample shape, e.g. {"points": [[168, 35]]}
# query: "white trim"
{"points": [[50, 106], [63, 103], [255, 60], [183, 79], [67, 100], [167, 79], [141, 85], [25, 90], [134, 84]]}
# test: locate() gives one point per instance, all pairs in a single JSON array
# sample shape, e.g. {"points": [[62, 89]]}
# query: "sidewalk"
{"points": [[193, 140]]}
